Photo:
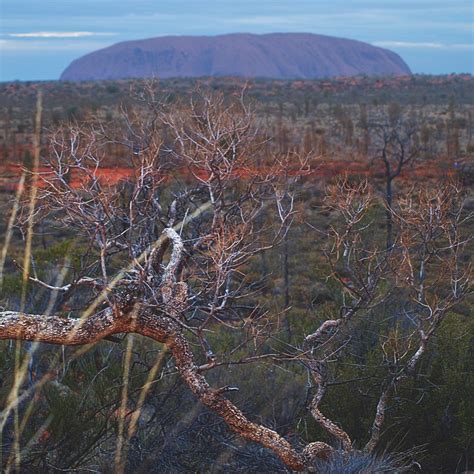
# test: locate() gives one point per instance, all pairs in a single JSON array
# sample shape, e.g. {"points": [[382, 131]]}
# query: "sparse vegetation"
{"points": [[238, 245]]}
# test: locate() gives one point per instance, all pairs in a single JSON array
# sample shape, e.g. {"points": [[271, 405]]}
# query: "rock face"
{"points": [[276, 55]]}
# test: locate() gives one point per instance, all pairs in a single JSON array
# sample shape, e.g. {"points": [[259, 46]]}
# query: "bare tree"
{"points": [[395, 142], [433, 275], [167, 250], [425, 269]]}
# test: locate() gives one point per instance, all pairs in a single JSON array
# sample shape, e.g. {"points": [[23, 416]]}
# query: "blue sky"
{"points": [[39, 38]]}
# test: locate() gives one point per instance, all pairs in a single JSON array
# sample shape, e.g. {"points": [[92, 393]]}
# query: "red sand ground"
{"points": [[10, 173]]}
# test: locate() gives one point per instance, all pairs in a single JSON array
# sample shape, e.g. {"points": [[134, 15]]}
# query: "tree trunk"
{"points": [[388, 213], [286, 279]]}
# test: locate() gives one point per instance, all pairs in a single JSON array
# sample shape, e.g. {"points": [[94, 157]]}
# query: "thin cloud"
{"points": [[423, 45], [59, 34], [46, 45]]}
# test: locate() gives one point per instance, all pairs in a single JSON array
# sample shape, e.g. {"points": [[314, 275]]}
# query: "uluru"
{"points": [[275, 55]]}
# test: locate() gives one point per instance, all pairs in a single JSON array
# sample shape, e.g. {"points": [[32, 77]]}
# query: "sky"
{"points": [[39, 38]]}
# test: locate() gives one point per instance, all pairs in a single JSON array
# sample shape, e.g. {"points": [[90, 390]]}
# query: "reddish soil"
{"points": [[10, 173]]}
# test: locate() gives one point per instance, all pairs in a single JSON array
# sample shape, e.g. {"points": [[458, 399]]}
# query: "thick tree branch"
{"points": [[214, 400], [57, 330]]}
